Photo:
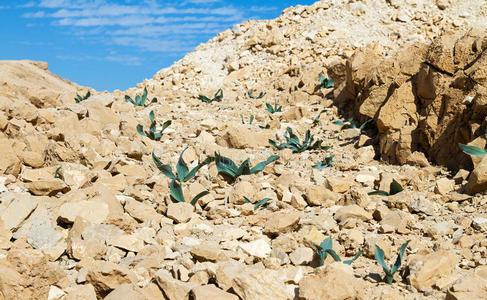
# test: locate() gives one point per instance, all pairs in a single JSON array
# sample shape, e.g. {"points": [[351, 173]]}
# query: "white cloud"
{"points": [[148, 25]]}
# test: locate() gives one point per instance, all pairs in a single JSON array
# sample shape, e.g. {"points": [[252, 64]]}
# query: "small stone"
{"points": [[211, 292], [301, 256], [317, 195], [55, 293], [180, 212], [282, 221], [352, 212], [480, 224], [444, 186], [93, 211], [426, 270], [336, 281], [258, 248]]}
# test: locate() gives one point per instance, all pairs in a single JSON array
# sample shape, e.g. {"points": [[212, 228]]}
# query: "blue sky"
{"points": [[108, 44]]}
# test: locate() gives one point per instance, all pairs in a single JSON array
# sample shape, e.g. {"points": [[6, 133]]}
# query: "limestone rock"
{"points": [[352, 211], [282, 222], [336, 281], [180, 212], [173, 288], [259, 284], [106, 276], [426, 270], [93, 211], [258, 248], [211, 292]]}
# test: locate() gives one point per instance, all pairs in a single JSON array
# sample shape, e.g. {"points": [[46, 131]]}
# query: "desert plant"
{"points": [[394, 188], [326, 247], [56, 173], [293, 143], [218, 96], [261, 95], [152, 134], [273, 109], [472, 150], [324, 164], [351, 124], [379, 257], [258, 203], [317, 119], [325, 82], [227, 167], [140, 100], [267, 126], [78, 98], [251, 119], [183, 174], [177, 193]]}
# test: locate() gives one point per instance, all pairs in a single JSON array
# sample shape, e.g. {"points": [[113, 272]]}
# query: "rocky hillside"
{"points": [[89, 190]]}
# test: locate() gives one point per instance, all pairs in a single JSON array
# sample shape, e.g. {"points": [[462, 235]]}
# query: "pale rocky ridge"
{"points": [[106, 227]]}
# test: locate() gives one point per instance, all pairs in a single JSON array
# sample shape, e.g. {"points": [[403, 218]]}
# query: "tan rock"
{"points": [[128, 242], [468, 287], [282, 222], [258, 248], [426, 270], [33, 159], [317, 195], [126, 292], [208, 251], [352, 212], [173, 288], [336, 281], [9, 162], [477, 182], [106, 276], [93, 211], [226, 272], [444, 186], [259, 284], [81, 292], [337, 184], [241, 137], [180, 212], [211, 292], [16, 208], [301, 256], [47, 187]]}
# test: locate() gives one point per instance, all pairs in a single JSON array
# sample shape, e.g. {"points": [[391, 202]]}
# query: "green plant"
{"points": [[326, 247], [351, 124], [257, 204], [227, 167], [152, 134], [251, 119], [394, 188], [472, 150], [273, 109], [140, 100], [317, 119], [293, 143], [56, 173], [177, 193], [267, 126], [379, 257], [78, 98], [324, 164], [183, 174], [218, 96], [261, 95], [325, 82]]}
